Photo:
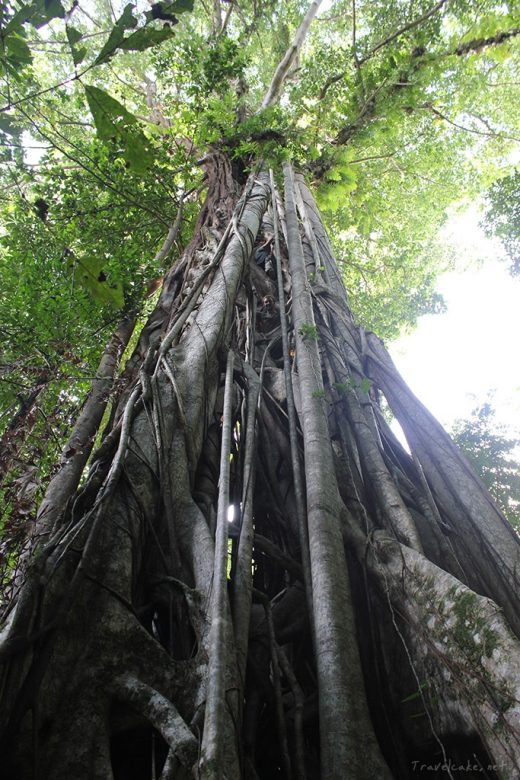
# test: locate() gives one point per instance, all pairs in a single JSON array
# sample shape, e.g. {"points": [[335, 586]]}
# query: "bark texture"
{"points": [[256, 580]]}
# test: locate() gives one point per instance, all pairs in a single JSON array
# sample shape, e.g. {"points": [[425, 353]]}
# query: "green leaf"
{"points": [[22, 16], [52, 9], [37, 14], [365, 385], [417, 694], [7, 126], [365, 224], [145, 38], [109, 114], [89, 273], [349, 176], [17, 52], [333, 175], [166, 11], [114, 123], [309, 331], [500, 53], [126, 21], [73, 36]]}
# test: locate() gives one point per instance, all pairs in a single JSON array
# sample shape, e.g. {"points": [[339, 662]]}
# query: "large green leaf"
{"points": [[109, 114], [25, 14], [89, 273], [126, 21], [114, 123], [166, 10], [73, 37], [16, 53], [37, 14], [145, 38], [51, 9], [7, 126]]}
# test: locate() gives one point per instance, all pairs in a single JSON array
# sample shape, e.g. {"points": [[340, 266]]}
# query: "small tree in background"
{"points": [[494, 453], [502, 217]]}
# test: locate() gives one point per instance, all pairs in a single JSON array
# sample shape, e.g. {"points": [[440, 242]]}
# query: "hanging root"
{"points": [[163, 716]]}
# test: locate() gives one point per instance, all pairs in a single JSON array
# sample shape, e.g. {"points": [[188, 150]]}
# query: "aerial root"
{"points": [[173, 770], [162, 715], [299, 700], [282, 729]]}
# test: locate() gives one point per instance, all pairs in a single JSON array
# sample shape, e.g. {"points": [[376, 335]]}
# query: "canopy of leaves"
{"points": [[502, 217], [494, 453]]}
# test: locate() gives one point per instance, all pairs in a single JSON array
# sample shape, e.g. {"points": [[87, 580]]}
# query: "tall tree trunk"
{"points": [[289, 58], [81, 440], [353, 616]]}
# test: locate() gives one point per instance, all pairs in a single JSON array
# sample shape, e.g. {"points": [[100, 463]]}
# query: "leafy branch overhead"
{"points": [[16, 52], [118, 126], [146, 36], [89, 273], [398, 104]]}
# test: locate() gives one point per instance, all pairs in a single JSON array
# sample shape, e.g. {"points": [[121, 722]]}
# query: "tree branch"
{"points": [[402, 30], [368, 109], [356, 61], [217, 18], [226, 18], [161, 713], [13, 103], [360, 61], [280, 74], [481, 43], [79, 445], [475, 45], [486, 134]]}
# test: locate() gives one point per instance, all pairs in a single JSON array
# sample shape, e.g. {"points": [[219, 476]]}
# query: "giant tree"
{"points": [[253, 577]]}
